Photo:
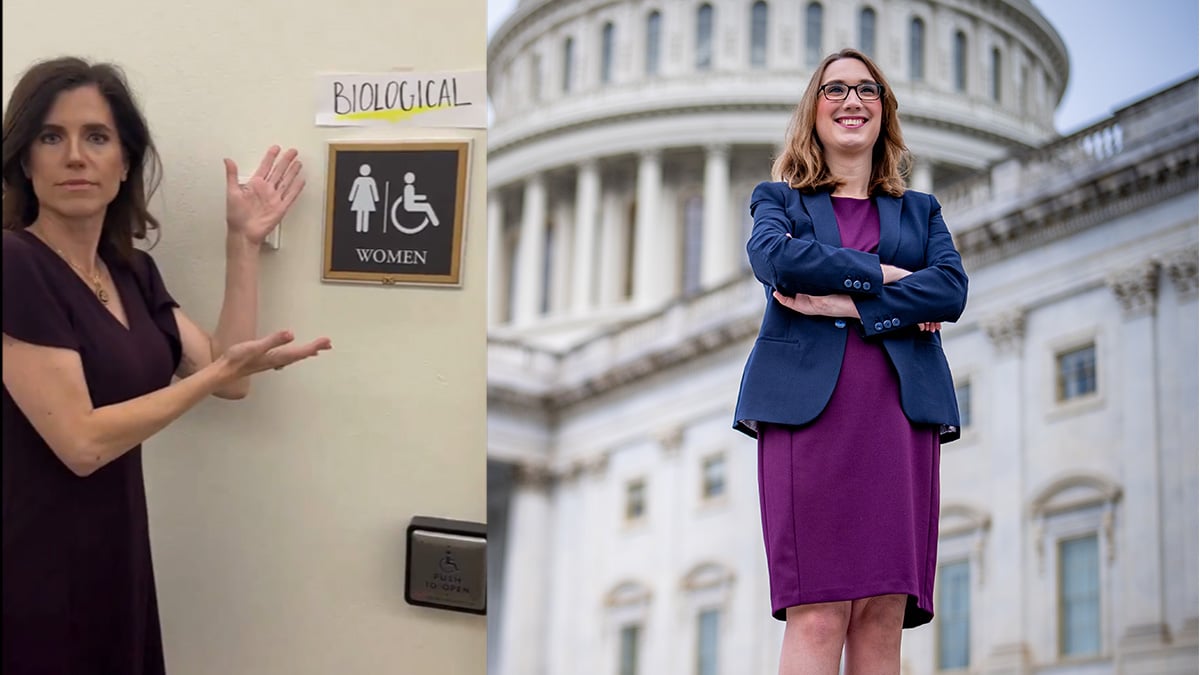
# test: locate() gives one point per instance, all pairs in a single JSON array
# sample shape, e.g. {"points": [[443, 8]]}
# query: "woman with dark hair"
{"points": [[847, 389], [91, 343]]}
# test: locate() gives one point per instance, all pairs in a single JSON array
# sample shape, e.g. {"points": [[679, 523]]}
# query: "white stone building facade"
{"points": [[623, 509]]}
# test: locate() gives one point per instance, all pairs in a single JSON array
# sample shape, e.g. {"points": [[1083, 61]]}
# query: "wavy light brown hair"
{"points": [[802, 163], [128, 217]]}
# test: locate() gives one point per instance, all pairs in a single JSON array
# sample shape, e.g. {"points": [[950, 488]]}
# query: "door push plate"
{"points": [[447, 565]]}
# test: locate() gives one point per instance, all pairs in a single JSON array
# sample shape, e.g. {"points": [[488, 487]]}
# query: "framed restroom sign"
{"points": [[394, 212]]}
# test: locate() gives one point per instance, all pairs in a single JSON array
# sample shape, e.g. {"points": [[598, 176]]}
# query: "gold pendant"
{"points": [[102, 294]]}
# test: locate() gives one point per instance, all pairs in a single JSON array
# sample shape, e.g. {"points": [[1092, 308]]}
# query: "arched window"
{"points": [[758, 35], [997, 75], [653, 29], [866, 31], [812, 34], [960, 61], [606, 53], [704, 42], [568, 63], [916, 50]]}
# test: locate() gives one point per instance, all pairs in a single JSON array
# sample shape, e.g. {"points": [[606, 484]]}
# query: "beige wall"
{"points": [[278, 522]]}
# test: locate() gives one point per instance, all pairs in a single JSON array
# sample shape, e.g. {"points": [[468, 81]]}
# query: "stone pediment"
{"points": [[1078, 491]]}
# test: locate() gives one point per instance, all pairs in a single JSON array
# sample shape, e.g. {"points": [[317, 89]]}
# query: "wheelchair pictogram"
{"points": [[413, 203]]}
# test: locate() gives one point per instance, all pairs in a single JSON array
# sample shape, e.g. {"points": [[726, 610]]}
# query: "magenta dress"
{"points": [[78, 583], [850, 500]]}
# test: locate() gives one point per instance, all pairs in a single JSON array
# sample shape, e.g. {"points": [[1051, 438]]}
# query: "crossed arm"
{"points": [[808, 276]]}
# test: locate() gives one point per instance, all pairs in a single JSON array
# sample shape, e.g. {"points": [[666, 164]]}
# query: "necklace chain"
{"points": [[97, 286]]}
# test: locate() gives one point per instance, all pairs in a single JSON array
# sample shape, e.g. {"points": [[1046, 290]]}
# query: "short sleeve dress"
{"points": [[850, 500], [78, 583]]}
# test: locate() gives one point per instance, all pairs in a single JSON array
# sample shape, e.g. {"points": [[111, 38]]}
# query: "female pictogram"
{"points": [[363, 195]]}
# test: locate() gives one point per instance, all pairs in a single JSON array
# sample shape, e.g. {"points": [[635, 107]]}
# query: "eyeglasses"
{"points": [[837, 91]]}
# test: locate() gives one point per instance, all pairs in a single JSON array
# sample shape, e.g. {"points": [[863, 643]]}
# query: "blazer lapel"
{"points": [[820, 209], [889, 226]]}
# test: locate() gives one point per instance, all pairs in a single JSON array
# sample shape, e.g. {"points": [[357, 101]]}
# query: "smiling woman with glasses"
{"points": [[858, 273]]}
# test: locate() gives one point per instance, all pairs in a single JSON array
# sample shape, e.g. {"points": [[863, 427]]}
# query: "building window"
{"points": [[707, 638], [963, 393], [704, 42], [713, 479], [548, 265], [997, 80], [866, 31], [635, 499], [693, 238], [629, 649], [629, 243], [916, 51], [606, 53], [758, 35], [1076, 373], [1079, 596], [568, 63], [535, 78], [653, 29], [954, 615], [960, 61], [812, 34], [1022, 87], [512, 247]]}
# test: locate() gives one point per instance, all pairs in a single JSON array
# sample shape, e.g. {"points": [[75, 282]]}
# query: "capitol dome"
{"points": [[613, 118]]}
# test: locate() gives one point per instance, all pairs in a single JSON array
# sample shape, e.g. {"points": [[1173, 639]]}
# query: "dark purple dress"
{"points": [[78, 584], [850, 500]]}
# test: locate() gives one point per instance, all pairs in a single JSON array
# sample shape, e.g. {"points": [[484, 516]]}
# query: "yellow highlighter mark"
{"points": [[393, 115]]}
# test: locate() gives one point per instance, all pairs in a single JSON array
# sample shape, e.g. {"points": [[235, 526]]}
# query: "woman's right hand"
{"points": [[892, 273], [274, 351]]}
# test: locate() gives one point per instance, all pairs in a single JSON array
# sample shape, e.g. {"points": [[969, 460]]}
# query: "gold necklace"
{"points": [[97, 286]]}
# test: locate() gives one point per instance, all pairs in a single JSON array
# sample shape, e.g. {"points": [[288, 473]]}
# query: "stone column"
{"points": [[922, 175], [646, 254], [530, 251], [717, 249], [612, 250], [561, 271], [497, 266], [587, 211], [1009, 652], [523, 645], [1141, 623], [1177, 418]]}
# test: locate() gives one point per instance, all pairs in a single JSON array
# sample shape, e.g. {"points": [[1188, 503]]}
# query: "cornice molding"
{"points": [[1034, 224]]}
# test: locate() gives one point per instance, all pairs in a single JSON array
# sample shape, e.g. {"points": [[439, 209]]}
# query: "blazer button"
{"points": [[858, 284], [866, 285], [895, 322], [887, 323], [848, 283], [839, 323], [878, 326]]}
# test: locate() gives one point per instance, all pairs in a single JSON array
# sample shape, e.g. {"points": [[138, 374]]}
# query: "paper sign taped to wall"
{"points": [[443, 99]]}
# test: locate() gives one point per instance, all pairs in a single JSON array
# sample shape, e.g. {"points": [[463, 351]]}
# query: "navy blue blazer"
{"points": [[794, 365]]}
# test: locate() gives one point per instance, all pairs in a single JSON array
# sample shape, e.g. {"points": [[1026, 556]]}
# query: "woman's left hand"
{"points": [[819, 305], [254, 209]]}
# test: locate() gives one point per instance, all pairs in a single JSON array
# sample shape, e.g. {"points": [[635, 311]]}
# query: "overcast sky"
{"points": [[1120, 50]]}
